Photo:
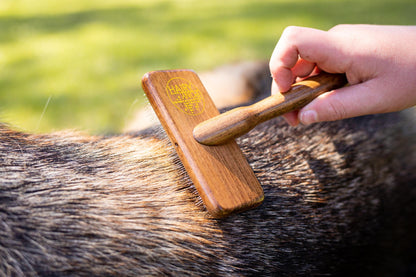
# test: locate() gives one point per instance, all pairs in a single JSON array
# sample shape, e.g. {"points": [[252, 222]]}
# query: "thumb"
{"points": [[360, 99]]}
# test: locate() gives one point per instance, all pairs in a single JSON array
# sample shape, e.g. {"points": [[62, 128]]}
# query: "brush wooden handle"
{"points": [[239, 121]]}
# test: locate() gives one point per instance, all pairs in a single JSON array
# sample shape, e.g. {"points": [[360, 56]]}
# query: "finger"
{"points": [[351, 101], [314, 46], [284, 57], [303, 68], [283, 78], [291, 118], [297, 41]]}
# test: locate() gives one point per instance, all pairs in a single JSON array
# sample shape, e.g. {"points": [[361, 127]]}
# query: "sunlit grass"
{"points": [[87, 57]]}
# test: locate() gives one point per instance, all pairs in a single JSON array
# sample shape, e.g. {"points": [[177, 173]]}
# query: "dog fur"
{"points": [[339, 199]]}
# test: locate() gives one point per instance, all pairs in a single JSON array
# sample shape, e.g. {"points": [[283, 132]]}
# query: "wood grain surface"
{"points": [[221, 174]]}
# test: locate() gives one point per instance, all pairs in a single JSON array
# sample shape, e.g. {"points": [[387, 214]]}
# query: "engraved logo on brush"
{"points": [[185, 96]]}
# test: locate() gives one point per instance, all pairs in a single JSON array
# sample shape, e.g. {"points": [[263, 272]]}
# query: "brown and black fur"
{"points": [[340, 199]]}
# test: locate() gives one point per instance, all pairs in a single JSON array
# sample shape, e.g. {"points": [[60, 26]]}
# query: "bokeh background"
{"points": [[78, 64]]}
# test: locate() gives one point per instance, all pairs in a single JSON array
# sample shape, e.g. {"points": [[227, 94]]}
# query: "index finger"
{"points": [[312, 45]]}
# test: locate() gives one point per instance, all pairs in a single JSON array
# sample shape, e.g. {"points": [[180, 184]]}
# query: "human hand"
{"points": [[379, 62]]}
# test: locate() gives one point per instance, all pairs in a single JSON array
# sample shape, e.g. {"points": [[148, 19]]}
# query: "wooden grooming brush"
{"points": [[221, 174]]}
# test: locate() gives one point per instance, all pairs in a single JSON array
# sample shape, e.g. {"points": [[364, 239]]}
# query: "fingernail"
{"points": [[308, 117]]}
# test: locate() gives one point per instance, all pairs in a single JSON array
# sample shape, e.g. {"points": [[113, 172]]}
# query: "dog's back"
{"points": [[339, 199]]}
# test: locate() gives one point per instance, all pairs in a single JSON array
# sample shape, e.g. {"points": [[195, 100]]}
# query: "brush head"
{"points": [[221, 174]]}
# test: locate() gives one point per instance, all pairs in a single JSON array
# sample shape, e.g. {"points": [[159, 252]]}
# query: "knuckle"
{"points": [[291, 32]]}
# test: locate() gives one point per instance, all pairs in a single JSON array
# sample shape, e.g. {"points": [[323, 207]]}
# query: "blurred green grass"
{"points": [[77, 64]]}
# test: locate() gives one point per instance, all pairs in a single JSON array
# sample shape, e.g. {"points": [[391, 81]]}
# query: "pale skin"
{"points": [[379, 62]]}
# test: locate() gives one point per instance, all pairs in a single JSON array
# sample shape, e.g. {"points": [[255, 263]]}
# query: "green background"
{"points": [[78, 64]]}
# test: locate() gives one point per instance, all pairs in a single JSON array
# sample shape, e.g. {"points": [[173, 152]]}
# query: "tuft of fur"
{"points": [[340, 199]]}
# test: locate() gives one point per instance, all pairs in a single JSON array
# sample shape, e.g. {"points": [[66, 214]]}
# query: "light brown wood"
{"points": [[221, 174], [236, 122]]}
